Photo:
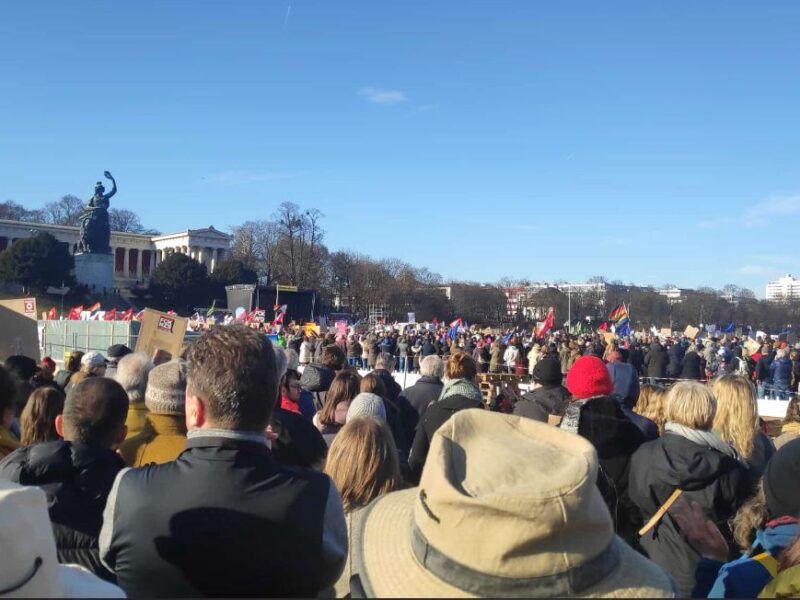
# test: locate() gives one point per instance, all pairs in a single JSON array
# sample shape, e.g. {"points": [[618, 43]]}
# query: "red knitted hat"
{"points": [[589, 377]]}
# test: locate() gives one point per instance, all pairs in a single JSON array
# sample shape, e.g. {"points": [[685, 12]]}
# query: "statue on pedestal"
{"points": [[95, 231]]}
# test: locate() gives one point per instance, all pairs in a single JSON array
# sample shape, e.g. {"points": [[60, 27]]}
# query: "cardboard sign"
{"points": [[666, 331], [20, 335], [691, 332], [752, 346], [161, 333], [259, 316], [312, 329], [23, 306]]}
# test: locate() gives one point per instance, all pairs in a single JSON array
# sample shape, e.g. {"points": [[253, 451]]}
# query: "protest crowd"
{"points": [[372, 463]]}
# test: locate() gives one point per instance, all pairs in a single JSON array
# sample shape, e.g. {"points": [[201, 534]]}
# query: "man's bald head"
{"points": [[94, 412]]}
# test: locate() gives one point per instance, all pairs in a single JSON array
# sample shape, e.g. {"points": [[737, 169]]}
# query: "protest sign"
{"points": [[20, 334], [691, 332], [341, 328], [259, 316], [23, 306], [752, 346], [161, 332], [666, 331], [312, 329]]}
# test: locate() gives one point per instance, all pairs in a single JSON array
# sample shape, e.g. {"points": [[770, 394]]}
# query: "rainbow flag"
{"points": [[94, 307], [621, 312]]}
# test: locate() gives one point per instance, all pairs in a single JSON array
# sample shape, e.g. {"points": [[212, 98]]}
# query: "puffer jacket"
{"points": [[716, 481], [317, 379], [77, 479], [781, 371]]}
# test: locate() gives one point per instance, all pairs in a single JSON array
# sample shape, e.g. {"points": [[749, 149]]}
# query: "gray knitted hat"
{"points": [[166, 389], [366, 405]]}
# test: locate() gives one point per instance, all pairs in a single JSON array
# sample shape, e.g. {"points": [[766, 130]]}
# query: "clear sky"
{"points": [[650, 142]]}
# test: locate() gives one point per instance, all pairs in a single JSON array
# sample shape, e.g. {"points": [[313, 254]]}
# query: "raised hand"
{"points": [[703, 535]]}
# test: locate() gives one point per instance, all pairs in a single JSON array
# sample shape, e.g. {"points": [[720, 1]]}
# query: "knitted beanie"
{"points": [[589, 377], [366, 405], [782, 481], [166, 389], [547, 371]]}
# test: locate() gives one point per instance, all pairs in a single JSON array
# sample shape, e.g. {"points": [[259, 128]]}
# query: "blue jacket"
{"points": [[744, 577], [781, 371]]}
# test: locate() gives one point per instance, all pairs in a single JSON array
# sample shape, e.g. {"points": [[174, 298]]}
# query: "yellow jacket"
{"points": [[8, 442], [161, 440], [137, 413], [785, 585]]}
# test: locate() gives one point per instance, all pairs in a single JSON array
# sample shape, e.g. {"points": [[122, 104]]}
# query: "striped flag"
{"points": [[621, 312], [94, 307]]}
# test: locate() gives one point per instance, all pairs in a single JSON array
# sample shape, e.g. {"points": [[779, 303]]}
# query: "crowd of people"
{"points": [[632, 467]]}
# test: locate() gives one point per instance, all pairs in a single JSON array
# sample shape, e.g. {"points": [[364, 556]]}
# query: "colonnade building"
{"points": [[136, 255]]}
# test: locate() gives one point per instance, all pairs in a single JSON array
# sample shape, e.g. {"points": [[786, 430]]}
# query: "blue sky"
{"points": [[650, 142]]}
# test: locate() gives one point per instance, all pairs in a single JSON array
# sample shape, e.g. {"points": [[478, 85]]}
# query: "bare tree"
{"points": [[255, 243], [125, 220], [64, 212]]}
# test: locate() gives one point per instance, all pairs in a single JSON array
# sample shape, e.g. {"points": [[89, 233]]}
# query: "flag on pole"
{"points": [[457, 323], [139, 316], [729, 328], [75, 313], [94, 307], [127, 315], [603, 326], [547, 325], [52, 315], [621, 312], [211, 310], [111, 315]]}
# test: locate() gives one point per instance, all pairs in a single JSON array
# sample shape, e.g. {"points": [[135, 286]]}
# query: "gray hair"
{"points": [[132, 373], [384, 361], [432, 366]]}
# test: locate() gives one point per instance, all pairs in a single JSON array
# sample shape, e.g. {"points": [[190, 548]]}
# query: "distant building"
{"points": [[783, 288], [136, 255], [674, 295]]}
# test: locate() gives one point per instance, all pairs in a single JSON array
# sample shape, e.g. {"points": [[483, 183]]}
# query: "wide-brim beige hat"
{"points": [[506, 507], [29, 563]]}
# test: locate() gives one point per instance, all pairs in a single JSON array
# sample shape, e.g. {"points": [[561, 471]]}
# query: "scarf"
{"points": [[708, 439], [461, 387], [572, 416]]}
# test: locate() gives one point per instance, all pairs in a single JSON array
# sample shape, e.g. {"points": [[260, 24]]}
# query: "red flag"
{"points": [[127, 315], [139, 315], [548, 323], [435, 321], [279, 318], [52, 315], [75, 313], [111, 315]]}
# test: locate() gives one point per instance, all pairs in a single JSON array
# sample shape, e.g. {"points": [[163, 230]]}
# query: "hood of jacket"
{"points": [[317, 377], [774, 538], [679, 462]]}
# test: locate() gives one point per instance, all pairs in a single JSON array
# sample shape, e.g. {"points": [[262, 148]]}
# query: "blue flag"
{"points": [[729, 328], [624, 329]]}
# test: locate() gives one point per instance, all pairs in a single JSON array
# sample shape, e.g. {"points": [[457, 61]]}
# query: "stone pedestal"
{"points": [[95, 271]]}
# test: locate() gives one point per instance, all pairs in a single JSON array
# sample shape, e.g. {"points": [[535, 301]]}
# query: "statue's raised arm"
{"points": [[113, 191]]}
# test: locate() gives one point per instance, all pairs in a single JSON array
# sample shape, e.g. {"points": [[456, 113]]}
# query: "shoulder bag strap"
{"points": [[656, 518]]}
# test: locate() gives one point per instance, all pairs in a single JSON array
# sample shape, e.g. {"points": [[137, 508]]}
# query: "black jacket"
{"points": [[400, 416], [434, 417], [299, 443], [421, 394], [616, 438], [690, 367], [543, 402], [317, 379], [224, 519], [717, 482], [763, 369], [656, 361], [77, 479]]}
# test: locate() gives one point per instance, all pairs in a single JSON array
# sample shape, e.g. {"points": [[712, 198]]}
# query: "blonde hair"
{"points": [[362, 462], [650, 404], [737, 412], [691, 404], [750, 517]]}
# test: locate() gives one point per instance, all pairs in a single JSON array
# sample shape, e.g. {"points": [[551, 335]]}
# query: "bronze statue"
{"points": [[95, 228]]}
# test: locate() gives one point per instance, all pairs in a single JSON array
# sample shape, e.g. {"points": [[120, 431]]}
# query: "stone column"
{"points": [[213, 260], [201, 255], [126, 259], [139, 263]]}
